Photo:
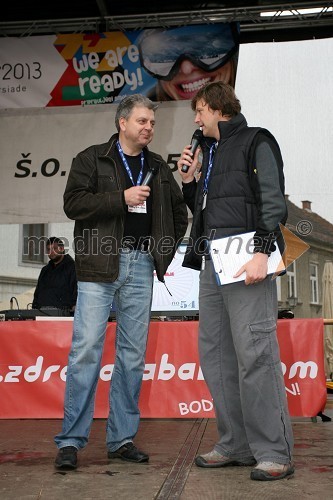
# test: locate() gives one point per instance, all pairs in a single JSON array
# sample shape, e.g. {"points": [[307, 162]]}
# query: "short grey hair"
{"points": [[126, 106]]}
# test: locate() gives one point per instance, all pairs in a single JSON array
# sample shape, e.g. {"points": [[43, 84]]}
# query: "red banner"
{"points": [[34, 354]]}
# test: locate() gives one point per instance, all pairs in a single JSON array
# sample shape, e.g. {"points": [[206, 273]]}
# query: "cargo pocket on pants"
{"points": [[265, 342]]}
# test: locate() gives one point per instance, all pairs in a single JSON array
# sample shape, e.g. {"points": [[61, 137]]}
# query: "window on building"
{"points": [[292, 288], [314, 283], [33, 243]]}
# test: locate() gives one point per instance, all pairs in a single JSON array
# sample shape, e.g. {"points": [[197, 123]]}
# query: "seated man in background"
{"points": [[57, 284]]}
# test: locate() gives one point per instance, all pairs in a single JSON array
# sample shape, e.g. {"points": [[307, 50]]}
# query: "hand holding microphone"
{"points": [[138, 194], [187, 156]]}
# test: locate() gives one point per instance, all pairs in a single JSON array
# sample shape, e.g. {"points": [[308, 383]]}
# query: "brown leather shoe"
{"points": [[129, 453]]}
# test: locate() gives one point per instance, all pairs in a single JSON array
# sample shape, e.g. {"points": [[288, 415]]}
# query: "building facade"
{"points": [[300, 289]]}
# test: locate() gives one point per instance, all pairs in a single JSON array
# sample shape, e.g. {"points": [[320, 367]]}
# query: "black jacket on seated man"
{"points": [[57, 285]]}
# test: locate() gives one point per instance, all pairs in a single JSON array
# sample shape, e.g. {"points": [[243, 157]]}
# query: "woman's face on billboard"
{"points": [[189, 79]]}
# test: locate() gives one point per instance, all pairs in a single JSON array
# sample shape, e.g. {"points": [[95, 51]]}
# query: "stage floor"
{"points": [[27, 454]]}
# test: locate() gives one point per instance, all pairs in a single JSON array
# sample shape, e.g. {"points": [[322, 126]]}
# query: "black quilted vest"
{"points": [[231, 206]]}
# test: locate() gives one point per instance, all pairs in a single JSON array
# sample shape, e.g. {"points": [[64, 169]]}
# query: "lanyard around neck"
{"points": [[127, 167], [210, 166]]}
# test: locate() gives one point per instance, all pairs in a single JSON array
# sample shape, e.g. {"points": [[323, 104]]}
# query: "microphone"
{"points": [[195, 141], [150, 174]]}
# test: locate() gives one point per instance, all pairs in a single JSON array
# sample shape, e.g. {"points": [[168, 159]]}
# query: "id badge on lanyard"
{"points": [[142, 207], [138, 209]]}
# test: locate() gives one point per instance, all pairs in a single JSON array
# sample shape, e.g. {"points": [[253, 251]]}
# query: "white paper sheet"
{"points": [[231, 253]]}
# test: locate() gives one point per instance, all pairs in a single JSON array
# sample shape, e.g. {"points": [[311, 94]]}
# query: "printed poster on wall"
{"points": [[102, 68]]}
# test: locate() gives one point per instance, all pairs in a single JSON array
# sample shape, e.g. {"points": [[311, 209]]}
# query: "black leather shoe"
{"points": [[66, 458], [130, 453]]}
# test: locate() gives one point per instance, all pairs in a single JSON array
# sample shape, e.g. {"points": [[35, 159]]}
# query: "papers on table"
{"points": [[231, 253]]}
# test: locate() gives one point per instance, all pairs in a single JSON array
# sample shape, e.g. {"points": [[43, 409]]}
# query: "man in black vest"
{"points": [[240, 190]]}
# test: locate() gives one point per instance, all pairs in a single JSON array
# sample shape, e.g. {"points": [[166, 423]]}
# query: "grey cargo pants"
{"points": [[240, 359]]}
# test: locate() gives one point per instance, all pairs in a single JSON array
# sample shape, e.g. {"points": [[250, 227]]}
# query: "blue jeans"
{"points": [[132, 292]]}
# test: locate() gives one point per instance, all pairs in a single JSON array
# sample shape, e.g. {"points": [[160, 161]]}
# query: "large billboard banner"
{"points": [[102, 68]]}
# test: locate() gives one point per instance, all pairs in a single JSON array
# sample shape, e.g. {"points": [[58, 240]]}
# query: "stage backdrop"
{"points": [[38, 145], [34, 355]]}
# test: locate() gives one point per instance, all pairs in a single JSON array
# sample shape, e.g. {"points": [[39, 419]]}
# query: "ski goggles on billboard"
{"points": [[207, 46]]}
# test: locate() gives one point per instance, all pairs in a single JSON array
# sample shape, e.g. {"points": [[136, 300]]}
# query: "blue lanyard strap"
{"points": [[210, 166], [127, 167]]}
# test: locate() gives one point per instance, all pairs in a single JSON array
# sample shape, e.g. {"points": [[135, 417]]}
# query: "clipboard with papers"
{"points": [[229, 254]]}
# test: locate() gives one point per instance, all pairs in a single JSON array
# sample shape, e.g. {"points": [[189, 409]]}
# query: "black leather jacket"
{"points": [[94, 198]]}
